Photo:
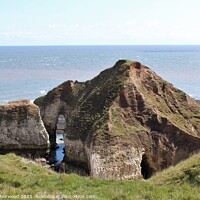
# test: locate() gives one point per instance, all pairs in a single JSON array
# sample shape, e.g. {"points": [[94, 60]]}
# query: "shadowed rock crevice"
{"points": [[146, 168], [119, 115]]}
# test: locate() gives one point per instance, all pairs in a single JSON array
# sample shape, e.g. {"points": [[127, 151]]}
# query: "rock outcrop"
{"points": [[126, 123], [21, 127], [198, 101]]}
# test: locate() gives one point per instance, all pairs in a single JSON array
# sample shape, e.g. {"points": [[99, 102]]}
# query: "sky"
{"points": [[99, 22]]}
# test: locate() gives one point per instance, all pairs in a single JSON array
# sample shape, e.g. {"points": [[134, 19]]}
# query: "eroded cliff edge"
{"points": [[125, 123], [21, 127]]}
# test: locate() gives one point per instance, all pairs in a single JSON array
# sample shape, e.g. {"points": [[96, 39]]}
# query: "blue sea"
{"points": [[31, 71]]}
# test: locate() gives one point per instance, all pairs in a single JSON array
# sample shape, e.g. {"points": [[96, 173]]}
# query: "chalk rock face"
{"points": [[58, 103], [21, 127], [126, 123]]}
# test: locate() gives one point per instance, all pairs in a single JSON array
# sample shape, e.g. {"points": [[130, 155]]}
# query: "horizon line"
{"points": [[32, 45]]}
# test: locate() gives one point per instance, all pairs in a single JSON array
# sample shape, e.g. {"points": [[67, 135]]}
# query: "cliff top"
{"points": [[19, 110], [16, 103]]}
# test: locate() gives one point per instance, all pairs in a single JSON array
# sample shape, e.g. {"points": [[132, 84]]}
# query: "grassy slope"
{"points": [[187, 171], [95, 99], [20, 176]]}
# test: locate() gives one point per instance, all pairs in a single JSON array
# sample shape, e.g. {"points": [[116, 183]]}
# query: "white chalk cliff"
{"points": [[21, 126]]}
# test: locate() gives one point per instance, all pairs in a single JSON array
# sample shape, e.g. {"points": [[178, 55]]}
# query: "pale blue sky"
{"points": [[99, 22]]}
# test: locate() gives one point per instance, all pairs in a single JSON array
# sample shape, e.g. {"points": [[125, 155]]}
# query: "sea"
{"points": [[27, 72]]}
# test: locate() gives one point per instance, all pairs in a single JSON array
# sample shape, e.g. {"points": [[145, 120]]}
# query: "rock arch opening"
{"points": [[60, 127], [146, 168], [61, 124], [57, 153]]}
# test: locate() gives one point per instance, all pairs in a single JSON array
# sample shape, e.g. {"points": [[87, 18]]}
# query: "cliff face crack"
{"points": [[119, 115]]}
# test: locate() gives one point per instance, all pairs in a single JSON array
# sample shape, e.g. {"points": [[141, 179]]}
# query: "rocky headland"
{"points": [[126, 123], [21, 128]]}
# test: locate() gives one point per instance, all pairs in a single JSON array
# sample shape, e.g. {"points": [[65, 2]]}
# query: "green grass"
{"points": [[19, 176]]}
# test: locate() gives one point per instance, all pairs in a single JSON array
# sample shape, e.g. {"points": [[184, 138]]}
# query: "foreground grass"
{"points": [[22, 177]]}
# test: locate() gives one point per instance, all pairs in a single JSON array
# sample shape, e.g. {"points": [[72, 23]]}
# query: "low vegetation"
{"points": [[186, 172], [22, 178]]}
